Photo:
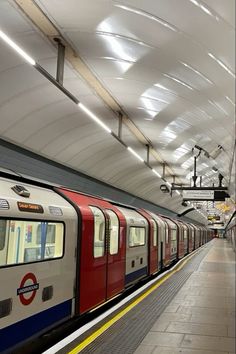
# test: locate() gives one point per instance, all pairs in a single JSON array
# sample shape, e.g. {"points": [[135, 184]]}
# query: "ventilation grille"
{"points": [[5, 307], [4, 204], [56, 211]]}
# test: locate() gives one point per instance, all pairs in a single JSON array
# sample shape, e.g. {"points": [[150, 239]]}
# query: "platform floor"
{"points": [[201, 317]]}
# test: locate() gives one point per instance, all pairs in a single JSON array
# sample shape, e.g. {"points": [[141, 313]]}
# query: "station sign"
{"points": [[198, 194]]}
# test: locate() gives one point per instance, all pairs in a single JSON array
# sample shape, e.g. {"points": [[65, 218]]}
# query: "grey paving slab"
{"points": [[208, 342], [160, 325], [163, 339], [172, 308], [145, 349], [195, 310], [165, 350], [232, 329], [211, 319], [169, 316], [196, 328]]}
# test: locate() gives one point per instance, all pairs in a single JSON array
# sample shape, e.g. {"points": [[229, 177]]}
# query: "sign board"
{"points": [[213, 217], [198, 195], [29, 207]]}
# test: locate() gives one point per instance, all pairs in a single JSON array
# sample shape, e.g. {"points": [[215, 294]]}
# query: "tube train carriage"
{"points": [[63, 253], [231, 232]]}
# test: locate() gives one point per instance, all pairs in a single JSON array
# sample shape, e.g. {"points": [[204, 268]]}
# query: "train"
{"points": [[64, 253], [230, 231]]}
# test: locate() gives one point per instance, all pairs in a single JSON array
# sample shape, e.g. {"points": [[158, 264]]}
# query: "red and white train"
{"points": [[230, 232], [63, 253]]}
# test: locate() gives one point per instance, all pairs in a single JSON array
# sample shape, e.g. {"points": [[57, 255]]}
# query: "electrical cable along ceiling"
{"points": [[165, 66]]}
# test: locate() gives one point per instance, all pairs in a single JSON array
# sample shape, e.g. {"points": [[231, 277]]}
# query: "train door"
{"points": [[102, 257], [115, 254], [152, 242], [167, 242]]}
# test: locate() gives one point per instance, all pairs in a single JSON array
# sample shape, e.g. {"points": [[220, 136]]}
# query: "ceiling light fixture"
{"points": [[94, 117], [155, 99], [147, 15], [204, 8], [218, 107], [115, 35], [179, 81], [229, 99], [17, 48], [135, 154], [156, 173], [197, 72], [222, 64]]}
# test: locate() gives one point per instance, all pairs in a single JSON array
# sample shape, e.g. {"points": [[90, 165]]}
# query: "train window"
{"points": [[51, 233], [173, 234], [185, 234], [28, 241], [154, 233], [114, 232], [136, 236], [2, 234], [99, 232]]}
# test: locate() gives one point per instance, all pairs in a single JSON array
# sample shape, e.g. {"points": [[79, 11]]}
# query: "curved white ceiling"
{"points": [[168, 64]]}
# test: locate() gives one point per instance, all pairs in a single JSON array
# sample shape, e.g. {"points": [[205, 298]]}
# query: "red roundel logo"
{"points": [[27, 289]]}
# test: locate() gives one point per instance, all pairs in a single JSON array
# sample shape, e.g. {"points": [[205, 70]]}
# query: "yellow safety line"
{"points": [[113, 320]]}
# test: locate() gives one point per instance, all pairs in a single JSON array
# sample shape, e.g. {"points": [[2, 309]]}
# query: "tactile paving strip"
{"points": [[126, 334]]}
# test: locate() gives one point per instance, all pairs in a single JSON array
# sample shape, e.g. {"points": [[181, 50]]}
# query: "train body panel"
{"points": [[153, 260], [230, 232], [34, 258], [171, 245], [136, 245], [101, 250]]}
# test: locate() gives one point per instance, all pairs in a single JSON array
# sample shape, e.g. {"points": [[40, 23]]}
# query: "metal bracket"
{"points": [[148, 153], [120, 125], [60, 60]]}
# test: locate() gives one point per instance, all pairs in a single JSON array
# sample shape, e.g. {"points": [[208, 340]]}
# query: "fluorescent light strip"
{"points": [[17, 48], [179, 81], [162, 87], [95, 118], [197, 72], [155, 99], [135, 154], [178, 192], [168, 184], [229, 99], [222, 64], [147, 15], [114, 35], [147, 109], [156, 173], [118, 59], [214, 104], [204, 8]]}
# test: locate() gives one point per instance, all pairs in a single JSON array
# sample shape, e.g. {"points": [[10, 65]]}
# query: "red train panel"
{"points": [[98, 277]]}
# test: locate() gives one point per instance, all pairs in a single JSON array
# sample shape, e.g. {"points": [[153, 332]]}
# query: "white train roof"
{"points": [[167, 65], [40, 204]]}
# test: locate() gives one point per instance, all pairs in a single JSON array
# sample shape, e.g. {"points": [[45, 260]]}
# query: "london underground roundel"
{"points": [[28, 288]]}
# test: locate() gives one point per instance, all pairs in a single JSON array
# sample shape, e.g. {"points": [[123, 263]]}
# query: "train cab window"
{"points": [[99, 232], [173, 234], [136, 236], [154, 233], [185, 233], [2, 233], [29, 241], [114, 232]]}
